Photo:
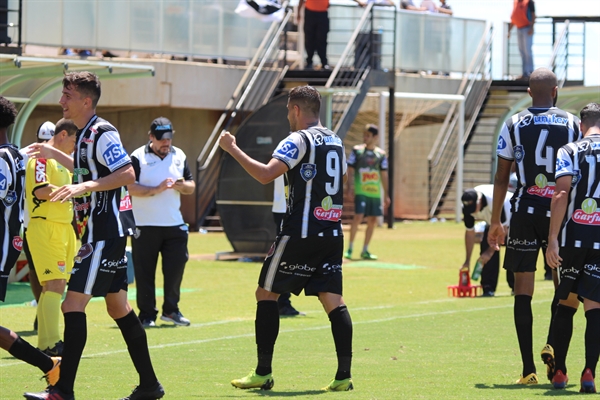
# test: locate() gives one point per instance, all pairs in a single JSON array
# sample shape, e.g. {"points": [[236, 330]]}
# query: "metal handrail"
{"points": [[246, 84], [561, 44], [441, 148]]}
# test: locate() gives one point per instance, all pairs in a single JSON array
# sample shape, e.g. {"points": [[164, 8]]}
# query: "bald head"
{"points": [[543, 85]]}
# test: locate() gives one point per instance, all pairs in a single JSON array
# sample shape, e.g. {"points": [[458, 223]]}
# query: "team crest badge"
{"points": [[10, 199], [576, 177], [519, 153], [308, 171]]}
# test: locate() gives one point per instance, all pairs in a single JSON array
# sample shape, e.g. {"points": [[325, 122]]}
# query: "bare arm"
{"points": [[139, 190], [44, 150], [496, 234], [558, 208], [469, 244], [264, 173], [122, 177], [384, 183], [531, 24], [43, 192], [184, 187]]}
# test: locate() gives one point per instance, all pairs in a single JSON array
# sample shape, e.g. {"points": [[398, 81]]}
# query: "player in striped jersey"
{"points": [[307, 254], [575, 228], [531, 139]]}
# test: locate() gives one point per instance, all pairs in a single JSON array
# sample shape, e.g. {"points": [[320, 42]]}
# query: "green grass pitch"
{"points": [[411, 340]]}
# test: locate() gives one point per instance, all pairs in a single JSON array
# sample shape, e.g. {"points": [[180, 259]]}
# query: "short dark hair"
{"points": [[590, 114], [86, 83], [8, 112], [372, 128], [307, 98], [66, 125]]}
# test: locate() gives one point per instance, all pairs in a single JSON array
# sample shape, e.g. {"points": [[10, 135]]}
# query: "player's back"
{"points": [[532, 138]]}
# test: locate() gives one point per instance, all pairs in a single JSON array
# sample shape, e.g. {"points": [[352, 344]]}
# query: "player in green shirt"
{"points": [[369, 165]]}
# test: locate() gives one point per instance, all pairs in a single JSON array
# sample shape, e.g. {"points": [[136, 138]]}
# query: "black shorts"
{"points": [[100, 268], [528, 233], [313, 264], [11, 259], [579, 273]]}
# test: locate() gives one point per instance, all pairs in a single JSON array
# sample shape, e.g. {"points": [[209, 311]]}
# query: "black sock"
{"points": [[563, 330], [137, 344], [266, 326], [26, 352], [592, 344], [524, 325], [341, 328], [75, 338], [553, 305]]}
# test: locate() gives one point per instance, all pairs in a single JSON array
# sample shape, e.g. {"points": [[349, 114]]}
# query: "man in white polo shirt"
{"points": [[162, 175]]}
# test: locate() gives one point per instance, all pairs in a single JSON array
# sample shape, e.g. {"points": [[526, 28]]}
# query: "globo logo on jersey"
{"points": [[40, 170], [501, 143], [113, 154], [288, 149], [519, 152]]}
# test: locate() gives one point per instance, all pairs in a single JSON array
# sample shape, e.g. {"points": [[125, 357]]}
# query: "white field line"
{"points": [[248, 335]]}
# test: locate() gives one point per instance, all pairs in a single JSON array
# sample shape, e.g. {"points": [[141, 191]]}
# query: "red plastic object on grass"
{"points": [[464, 287]]}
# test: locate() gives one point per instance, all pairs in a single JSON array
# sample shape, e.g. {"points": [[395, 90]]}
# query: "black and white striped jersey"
{"points": [[105, 214], [532, 138], [581, 161], [317, 163], [12, 183]]}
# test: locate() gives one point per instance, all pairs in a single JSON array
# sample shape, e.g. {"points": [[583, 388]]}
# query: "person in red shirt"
{"points": [[523, 17], [316, 27]]}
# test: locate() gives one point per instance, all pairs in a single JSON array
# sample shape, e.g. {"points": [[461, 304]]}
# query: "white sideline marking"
{"points": [[247, 335]]}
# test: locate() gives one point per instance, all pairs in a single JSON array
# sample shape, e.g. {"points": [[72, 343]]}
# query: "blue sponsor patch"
{"points": [[113, 154], [3, 182], [519, 152], [561, 164], [501, 143], [308, 171], [288, 149]]}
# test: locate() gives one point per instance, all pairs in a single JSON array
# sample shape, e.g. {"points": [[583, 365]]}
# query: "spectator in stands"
{"points": [[523, 17], [410, 5], [444, 8], [316, 27]]}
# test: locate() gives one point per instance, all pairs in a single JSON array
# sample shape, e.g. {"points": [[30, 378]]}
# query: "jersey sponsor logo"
{"points": [[589, 206], [62, 266], [328, 211], [501, 143], [591, 267], [84, 252], [571, 270], [519, 153], [546, 191], [81, 206], [288, 149], [321, 139], [585, 145], [331, 268], [562, 164], [271, 251], [297, 267], [40, 170], [369, 177], [87, 140], [125, 200], [109, 263], [10, 198], [550, 120], [583, 218], [17, 243], [522, 242], [114, 154], [81, 171], [3, 182], [308, 171], [525, 120], [576, 177]]}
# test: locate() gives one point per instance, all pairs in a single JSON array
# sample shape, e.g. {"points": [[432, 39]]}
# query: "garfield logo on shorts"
{"points": [[84, 252]]}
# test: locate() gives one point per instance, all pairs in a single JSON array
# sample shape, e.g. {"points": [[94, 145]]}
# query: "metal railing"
{"points": [[442, 158], [256, 86], [559, 60], [6, 23]]}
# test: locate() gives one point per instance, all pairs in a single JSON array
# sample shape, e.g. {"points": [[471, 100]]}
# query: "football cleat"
{"points": [[548, 359], [343, 385], [559, 380], [348, 254], [587, 382], [365, 255], [530, 379], [146, 394], [254, 381], [177, 318], [54, 373], [51, 393]]}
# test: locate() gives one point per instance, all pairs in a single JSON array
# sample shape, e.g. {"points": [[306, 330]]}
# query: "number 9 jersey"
{"points": [[532, 138], [317, 164]]}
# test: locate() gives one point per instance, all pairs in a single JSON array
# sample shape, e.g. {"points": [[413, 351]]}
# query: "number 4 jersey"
{"points": [[317, 165], [532, 138]]}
